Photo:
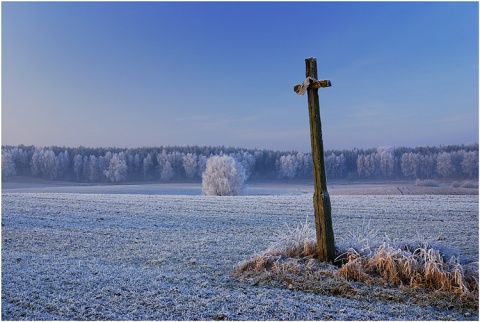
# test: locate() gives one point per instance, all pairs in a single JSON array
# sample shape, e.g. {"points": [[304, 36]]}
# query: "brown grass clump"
{"points": [[298, 242], [290, 261], [424, 267]]}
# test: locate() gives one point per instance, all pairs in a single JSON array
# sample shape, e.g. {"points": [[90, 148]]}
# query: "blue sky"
{"points": [[155, 73]]}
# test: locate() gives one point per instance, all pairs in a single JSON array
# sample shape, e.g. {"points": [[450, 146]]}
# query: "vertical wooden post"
{"points": [[321, 198]]}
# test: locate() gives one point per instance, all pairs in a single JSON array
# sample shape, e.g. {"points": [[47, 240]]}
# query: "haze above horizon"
{"points": [[134, 74]]}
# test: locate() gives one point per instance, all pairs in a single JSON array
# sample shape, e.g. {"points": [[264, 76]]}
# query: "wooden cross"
{"points": [[321, 198]]}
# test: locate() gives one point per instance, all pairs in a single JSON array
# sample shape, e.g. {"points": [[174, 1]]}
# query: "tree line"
{"points": [[187, 163]]}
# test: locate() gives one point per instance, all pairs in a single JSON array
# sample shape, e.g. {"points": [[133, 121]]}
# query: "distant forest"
{"points": [[187, 163]]}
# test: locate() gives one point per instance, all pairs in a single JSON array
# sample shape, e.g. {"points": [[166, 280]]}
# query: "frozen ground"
{"points": [[162, 257]]}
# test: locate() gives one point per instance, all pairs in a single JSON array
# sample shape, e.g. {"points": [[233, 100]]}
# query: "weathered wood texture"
{"points": [[321, 198]]}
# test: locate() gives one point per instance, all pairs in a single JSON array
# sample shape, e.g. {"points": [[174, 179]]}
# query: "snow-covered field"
{"points": [[113, 255]]}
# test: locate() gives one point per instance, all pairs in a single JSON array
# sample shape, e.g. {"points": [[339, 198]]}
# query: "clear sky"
{"points": [[129, 74]]}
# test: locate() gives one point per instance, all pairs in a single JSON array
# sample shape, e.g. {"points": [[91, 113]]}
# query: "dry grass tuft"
{"points": [[291, 261], [422, 267], [297, 242]]}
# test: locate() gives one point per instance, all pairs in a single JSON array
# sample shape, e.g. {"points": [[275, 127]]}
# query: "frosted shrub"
{"points": [[223, 176]]}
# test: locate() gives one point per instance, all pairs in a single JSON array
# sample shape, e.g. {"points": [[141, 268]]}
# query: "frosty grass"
{"points": [[146, 257]]}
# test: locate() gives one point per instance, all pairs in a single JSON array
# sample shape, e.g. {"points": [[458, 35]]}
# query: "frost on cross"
{"points": [[223, 176]]}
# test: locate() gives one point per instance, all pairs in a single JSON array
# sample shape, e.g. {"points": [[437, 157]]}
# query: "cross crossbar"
{"points": [[311, 82]]}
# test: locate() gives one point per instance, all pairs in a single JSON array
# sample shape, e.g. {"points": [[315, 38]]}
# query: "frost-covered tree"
{"points": [[103, 163], [366, 165], [167, 172], [44, 163], [419, 162], [78, 165], [50, 165], [371, 164], [425, 166], [22, 160], [223, 176], [330, 164], [409, 164], [175, 159], [202, 164], [162, 159], [137, 164], [108, 156], [130, 167], [36, 162], [117, 168], [335, 165], [147, 165], [360, 164], [456, 158], [304, 164], [246, 159], [62, 164], [341, 165], [470, 164], [387, 161], [444, 165], [288, 166], [190, 164], [8, 164], [86, 168], [93, 173]]}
